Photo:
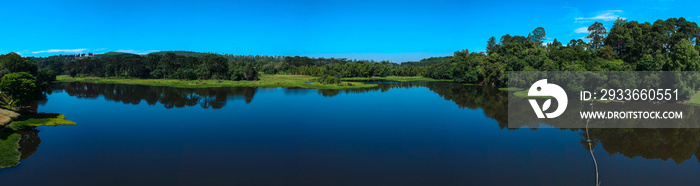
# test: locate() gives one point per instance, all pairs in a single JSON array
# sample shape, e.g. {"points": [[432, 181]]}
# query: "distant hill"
{"points": [[113, 54], [185, 53]]}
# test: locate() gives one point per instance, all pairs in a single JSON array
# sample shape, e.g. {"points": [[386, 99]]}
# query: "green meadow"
{"points": [[301, 81], [396, 78]]}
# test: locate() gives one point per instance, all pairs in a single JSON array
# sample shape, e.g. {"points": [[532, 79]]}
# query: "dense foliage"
{"points": [[670, 45], [192, 65], [22, 80], [329, 78], [20, 86]]}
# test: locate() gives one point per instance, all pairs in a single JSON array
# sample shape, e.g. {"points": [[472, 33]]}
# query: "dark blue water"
{"points": [[396, 134]]}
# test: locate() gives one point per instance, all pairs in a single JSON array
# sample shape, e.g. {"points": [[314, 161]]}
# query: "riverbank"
{"points": [[9, 149], [10, 137], [6, 116], [40, 119], [694, 100], [300, 81], [396, 78]]}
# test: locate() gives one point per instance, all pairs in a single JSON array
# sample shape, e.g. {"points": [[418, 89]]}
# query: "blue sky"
{"points": [[380, 30]]}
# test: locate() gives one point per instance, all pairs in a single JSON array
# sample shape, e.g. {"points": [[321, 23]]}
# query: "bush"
{"points": [[329, 78], [20, 86]]}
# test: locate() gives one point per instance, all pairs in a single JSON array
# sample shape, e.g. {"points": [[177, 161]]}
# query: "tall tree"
{"points": [[491, 45], [537, 36], [555, 44], [596, 33]]}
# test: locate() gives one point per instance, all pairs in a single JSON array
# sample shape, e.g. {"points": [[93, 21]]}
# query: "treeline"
{"points": [[670, 45], [192, 65], [165, 66], [358, 69]]}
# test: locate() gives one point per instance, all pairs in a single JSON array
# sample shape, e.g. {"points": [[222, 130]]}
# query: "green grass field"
{"points": [[9, 149], [509, 89], [396, 78], [523, 93], [28, 121], [265, 81], [694, 100]]}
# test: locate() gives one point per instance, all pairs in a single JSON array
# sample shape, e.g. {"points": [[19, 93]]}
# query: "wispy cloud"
{"points": [[77, 50], [138, 51], [581, 30], [608, 15]]}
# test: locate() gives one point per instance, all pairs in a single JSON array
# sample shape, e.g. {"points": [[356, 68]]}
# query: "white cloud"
{"points": [[78, 50], [608, 15], [140, 52], [581, 30]]}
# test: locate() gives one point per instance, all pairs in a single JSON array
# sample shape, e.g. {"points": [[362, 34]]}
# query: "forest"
{"points": [[664, 45], [193, 65]]}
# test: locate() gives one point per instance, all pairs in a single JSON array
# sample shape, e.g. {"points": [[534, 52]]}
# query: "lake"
{"points": [[418, 133]]}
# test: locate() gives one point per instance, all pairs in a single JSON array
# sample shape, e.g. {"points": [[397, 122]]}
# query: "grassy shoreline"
{"points": [[300, 81], [9, 149], [396, 78], [10, 138], [694, 99], [40, 119], [511, 89]]}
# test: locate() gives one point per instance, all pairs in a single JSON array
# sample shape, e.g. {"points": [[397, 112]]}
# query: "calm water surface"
{"points": [[396, 134]]}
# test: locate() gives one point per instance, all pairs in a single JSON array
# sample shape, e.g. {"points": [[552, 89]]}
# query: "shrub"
{"points": [[20, 86], [329, 78]]}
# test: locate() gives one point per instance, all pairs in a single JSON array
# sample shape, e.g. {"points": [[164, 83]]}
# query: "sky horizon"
{"points": [[397, 31]]}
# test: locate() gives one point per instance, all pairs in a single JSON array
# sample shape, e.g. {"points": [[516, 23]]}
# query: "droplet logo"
{"points": [[542, 88]]}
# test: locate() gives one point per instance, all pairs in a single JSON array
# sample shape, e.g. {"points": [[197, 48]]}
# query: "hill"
{"points": [[113, 54]]}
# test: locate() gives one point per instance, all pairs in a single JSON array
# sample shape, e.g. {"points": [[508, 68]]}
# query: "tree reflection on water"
{"points": [[678, 144]]}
